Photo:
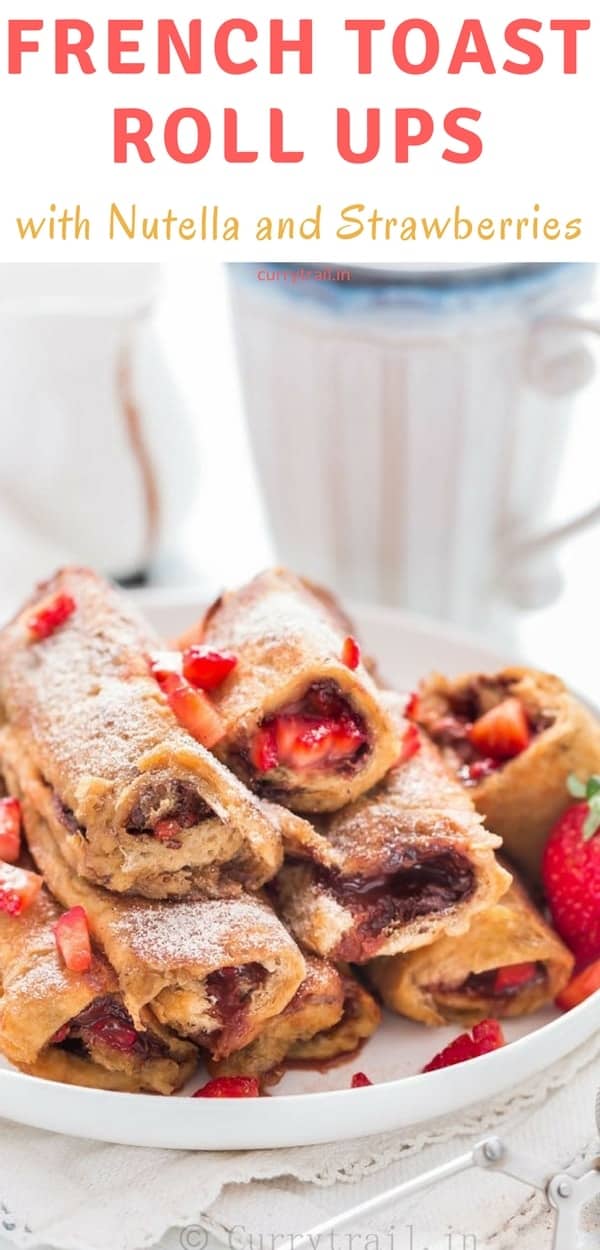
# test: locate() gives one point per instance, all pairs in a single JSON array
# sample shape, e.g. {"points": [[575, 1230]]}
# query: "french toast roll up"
{"points": [[304, 721], [509, 963], [139, 806], [361, 1016], [73, 1026], [317, 1004], [512, 738], [212, 970], [329, 1017], [400, 867]]}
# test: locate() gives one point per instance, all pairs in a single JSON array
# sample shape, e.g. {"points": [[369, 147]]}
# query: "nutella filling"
{"points": [[230, 991], [416, 889], [492, 983], [450, 731], [66, 815], [106, 1021], [174, 801]]}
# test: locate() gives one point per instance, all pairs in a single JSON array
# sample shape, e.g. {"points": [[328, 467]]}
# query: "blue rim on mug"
{"points": [[443, 289]]}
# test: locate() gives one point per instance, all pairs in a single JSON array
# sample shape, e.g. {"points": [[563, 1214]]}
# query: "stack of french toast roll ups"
{"points": [[237, 846]]}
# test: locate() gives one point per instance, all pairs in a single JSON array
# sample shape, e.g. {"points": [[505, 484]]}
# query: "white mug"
{"points": [[96, 465], [408, 426]]}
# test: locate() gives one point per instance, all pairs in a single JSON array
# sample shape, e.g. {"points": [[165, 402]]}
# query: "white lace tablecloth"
{"points": [[75, 1195]]}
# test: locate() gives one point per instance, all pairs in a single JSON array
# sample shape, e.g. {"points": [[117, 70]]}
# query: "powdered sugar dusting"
{"points": [[85, 694], [201, 936], [99, 731]]}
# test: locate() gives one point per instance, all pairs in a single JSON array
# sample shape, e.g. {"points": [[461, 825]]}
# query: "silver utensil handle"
{"points": [[567, 1195], [397, 1192]]}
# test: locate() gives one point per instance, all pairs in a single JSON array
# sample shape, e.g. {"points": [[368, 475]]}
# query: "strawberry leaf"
{"points": [[583, 789], [592, 821], [577, 789]]}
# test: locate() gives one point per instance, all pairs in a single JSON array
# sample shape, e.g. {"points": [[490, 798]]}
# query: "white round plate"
{"points": [[309, 1107]]}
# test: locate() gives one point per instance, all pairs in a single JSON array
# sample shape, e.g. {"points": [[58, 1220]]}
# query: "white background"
{"points": [[193, 323], [539, 134]]}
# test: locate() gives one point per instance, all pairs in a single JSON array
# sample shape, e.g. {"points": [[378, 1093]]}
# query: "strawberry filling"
{"points": [[501, 733], [483, 728], [319, 731], [230, 991], [514, 977], [504, 982], [107, 1022]]}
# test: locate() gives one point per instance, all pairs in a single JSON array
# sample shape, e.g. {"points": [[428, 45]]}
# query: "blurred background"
{"points": [[423, 438]]}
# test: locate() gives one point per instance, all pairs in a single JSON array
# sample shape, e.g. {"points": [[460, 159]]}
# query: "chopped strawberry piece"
{"points": [[485, 1037], [61, 1034], [111, 1032], [472, 774], [168, 681], [503, 732], [488, 1036], [18, 889], [304, 741], [411, 743], [461, 1049], [513, 976], [360, 1081], [411, 710], [165, 666], [263, 751], [320, 729], [53, 613], [207, 669], [230, 1087], [10, 830], [192, 708], [346, 738], [351, 652], [582, 986], [167, 831], [72, 937]]}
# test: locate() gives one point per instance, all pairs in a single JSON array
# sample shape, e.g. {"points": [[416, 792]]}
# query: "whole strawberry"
{"points": [[571, 871]]}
